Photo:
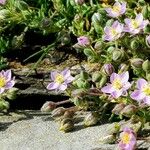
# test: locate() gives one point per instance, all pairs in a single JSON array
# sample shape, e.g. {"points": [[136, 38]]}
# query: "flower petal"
{"points": [[141, 83], [52, 86], [113, 77], [124, 77], [8, 75], [2, 90], [137, 95], [116, 94], [146, 100], [63, 87], [69, 79], [65, 73], [53, 75], [10, 84], [107, 89]]}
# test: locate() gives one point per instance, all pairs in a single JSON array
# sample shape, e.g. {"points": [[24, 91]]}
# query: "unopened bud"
{"points": [[79, 2], [134, 44], [117, 55], [103, 81], [118, 108], [68, 114], [58, 112], [48, 106], [145, 11], [4, 105], [96, 76], [91, 119], [123, 68], [84, 75], [66, 125], [96, 18], [108, 69], [12, 93], [108, 139], [98, 45], [82, 83], [136, 62], [129, 110], [146, 66]]}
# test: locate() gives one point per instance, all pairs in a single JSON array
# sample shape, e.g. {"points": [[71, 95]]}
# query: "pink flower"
{"points": [[119, 85], [6, 81], [2, 2], [117, 10], [114, 32], [83, 41], [142, 93], [60, 80], [127, 140], [134, 26]]}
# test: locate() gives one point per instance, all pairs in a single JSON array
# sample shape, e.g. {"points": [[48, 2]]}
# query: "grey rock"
{"points": [[38, 133]]}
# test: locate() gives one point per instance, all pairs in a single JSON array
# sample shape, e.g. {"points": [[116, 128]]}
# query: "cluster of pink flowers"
{"points": [[119, 86], [132, 26]]}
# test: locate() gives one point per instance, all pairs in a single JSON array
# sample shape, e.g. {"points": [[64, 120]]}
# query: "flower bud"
{"points": [[129, 110], [88, 52], [82, 83], [136, 62], [84, 41], [98, 45], [117, 55], [108, 69], [96, 18], [103, 81], [111, 49], [118, 108], [68, 114], [96, 76], [108, 139], [123, 68], [91, 119], [12, 93], [4, 105], [148, 76], [58, 112], [79, 2], [48, 106], [134, 45], [146, 66], [84, 75], [145, 12], [66, 125]]}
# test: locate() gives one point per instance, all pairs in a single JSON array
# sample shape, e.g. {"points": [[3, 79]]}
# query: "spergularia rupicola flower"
{"points": [[60, 80], [135, 26], [142, 93], [83, 41], [113, 32], [117, 10], [118, 86], [6, 80], [127, 140]]}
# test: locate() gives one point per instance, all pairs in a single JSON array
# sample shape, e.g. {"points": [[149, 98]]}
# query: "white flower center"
{"points": [[59, 79], [117, 84]]}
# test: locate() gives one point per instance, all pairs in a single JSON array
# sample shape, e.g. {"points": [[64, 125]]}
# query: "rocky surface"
{"points": [[34, 130]]}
